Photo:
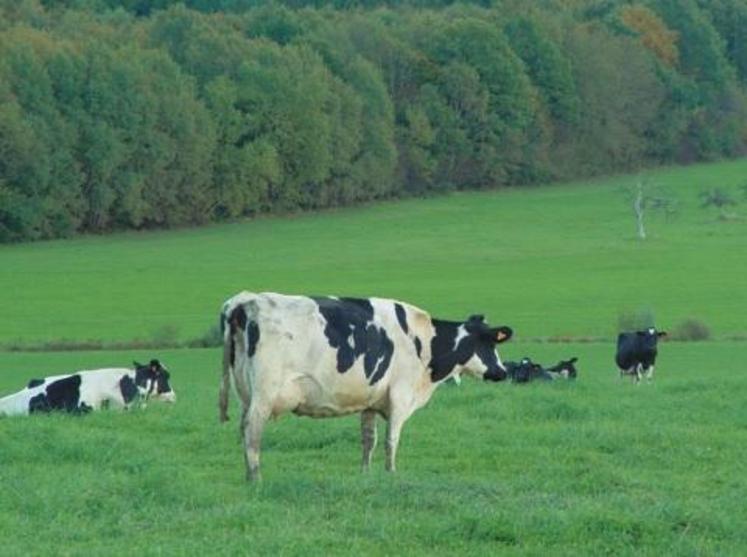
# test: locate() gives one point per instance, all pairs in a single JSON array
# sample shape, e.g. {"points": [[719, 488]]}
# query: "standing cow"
{"points": [[636, 353], [327, 356], [84, 391]]}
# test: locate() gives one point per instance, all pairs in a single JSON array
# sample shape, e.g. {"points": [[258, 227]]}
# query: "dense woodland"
{"points": [[119, 114]]}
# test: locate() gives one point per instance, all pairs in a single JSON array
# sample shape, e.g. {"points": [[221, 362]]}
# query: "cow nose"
{"points": [[168, 397]]}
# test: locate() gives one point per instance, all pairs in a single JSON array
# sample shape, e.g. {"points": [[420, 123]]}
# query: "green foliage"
{"points": [[139, 114], [691, 329]]}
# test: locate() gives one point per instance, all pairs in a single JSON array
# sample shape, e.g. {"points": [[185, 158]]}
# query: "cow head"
{"points": [[479, 343], [647, 339], [152, 380]]}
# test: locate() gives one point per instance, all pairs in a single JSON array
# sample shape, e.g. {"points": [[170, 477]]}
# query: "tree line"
{"points": [[118, 114]]}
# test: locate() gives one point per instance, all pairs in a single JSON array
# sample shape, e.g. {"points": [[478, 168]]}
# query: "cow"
{"points": [[636, 353], [526, 370], [564, 369], [84, 391], [330, 356]]}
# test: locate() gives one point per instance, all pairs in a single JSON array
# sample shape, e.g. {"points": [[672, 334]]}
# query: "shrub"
{"points": [[691, 329]]}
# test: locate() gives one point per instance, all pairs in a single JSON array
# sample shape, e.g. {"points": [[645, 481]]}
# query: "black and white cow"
{"points": [[327, 356], [84, 391], [636, 353], [526, 370], [564, 369]]}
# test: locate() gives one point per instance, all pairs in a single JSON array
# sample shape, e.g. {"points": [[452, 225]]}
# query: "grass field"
{"points": [[559, 260], [593, 467]]}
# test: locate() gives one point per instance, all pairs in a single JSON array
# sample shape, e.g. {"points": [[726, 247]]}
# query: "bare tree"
{"points": [[645, 196]]}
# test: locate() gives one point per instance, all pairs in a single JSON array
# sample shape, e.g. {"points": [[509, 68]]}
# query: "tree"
{"points": [[644, 197]]}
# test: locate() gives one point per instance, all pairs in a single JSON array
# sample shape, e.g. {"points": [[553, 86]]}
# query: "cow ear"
{"points": [[502, 334], [477, 318], [661, 334], [573, 360]]}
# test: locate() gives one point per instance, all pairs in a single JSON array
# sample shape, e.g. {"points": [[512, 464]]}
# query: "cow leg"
{"points": [[368, 436], [650, 373], [254, 425], [223, 396], [225, 387], [394, 428], [242, 420]]}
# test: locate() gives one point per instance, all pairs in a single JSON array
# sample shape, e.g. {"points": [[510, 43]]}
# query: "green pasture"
{"points": [[594, 467], [560, 260]]}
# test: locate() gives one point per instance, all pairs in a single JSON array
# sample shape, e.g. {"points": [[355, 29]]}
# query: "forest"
{"points": [[137, 114]]}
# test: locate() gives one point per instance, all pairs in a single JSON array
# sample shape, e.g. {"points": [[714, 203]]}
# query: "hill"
{"points": [[560, 260]]}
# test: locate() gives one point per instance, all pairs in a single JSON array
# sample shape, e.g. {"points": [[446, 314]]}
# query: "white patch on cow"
{"points": [[461, 333], [500, 362], [474, 367], [649, 372]]}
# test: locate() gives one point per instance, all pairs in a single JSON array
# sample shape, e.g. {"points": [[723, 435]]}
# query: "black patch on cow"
{"points": [[252, 338], [236, 322], [418, 346], [63, 394], [128, 389], [401, 317], [143, 374], [35, 383], [163, 384], [349, 330], [444, 355]]}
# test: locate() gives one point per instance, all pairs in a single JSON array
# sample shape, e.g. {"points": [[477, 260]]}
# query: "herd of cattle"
{"points": [[325, 356]]}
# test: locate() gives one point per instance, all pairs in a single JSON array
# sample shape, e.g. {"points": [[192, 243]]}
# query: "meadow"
{"points": [[595, 466]]}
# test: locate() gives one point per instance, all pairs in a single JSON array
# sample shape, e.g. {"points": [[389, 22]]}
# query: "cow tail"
{"points": [[225, 380]]}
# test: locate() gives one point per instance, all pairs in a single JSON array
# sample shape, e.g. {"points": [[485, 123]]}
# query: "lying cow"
{"points": [[526, 370], [84, 391], [331, 356], [636, 353]]}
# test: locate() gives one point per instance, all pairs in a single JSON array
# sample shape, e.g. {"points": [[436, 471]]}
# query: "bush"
{"points": [[691, 330]]}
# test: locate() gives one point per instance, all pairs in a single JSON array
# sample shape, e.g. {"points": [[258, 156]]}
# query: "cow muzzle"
{"points": [[496, 374]]}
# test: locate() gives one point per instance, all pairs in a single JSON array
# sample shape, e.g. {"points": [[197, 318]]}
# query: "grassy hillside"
{"points": [[596, 467], [558, 260]]}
